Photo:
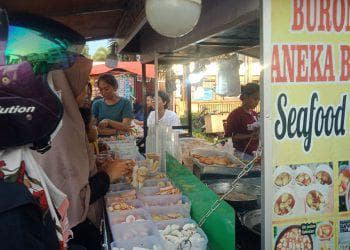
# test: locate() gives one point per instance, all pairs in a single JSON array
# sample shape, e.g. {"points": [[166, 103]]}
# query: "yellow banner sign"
{"points": [[306, 55]]}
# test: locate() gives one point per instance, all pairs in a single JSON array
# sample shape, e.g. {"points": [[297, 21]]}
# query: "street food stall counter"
{"points": [[165, 210]]}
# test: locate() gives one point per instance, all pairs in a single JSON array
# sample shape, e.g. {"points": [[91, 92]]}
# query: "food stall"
{"points": [[88, 17], [228, 36], [307, 171]]}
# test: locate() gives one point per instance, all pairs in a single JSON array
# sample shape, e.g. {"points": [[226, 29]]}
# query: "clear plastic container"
{"points": [[120, 195], [150, 191], [154, 182], [120, 187], [126, 216], [150, 243], [128, 153], [202, 245], [127, 157], [168, 212], [156, 175], [135, 203], [119, 143], [161, 200], [130, 231], [166, 200]]}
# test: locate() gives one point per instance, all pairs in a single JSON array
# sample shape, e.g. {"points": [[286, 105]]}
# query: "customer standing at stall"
{"points": [[242, 123], [149, 109], [165, 116], [113, 113], [70, 163], [150, 104]]}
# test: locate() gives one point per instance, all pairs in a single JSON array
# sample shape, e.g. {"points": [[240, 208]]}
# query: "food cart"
{"points": [[306, 177]]}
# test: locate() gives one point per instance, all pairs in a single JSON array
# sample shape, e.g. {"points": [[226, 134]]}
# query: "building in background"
{"points": [[215, 85]]}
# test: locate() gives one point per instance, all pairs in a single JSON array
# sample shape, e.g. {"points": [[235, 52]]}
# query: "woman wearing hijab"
{"points": [[33, 211], [70, 163]]}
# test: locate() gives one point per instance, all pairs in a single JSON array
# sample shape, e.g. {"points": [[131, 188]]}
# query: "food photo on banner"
{"points": [[307, 236], [303, 189], [344, 186], [306, 124]]}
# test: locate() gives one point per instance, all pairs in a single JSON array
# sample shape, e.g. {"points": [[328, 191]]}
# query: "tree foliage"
{"points": [[100, 54]]}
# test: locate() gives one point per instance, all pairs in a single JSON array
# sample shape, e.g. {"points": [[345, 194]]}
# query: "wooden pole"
{"points": [[144, 99], [156, 87]]}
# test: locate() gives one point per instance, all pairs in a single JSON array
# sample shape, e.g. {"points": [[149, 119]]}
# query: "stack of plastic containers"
{"points": [[130, 228], [124, 149], [140, 227], [162, 139]]}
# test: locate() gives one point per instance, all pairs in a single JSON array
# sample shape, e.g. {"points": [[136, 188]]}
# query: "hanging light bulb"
{"points": [[173, 18]]}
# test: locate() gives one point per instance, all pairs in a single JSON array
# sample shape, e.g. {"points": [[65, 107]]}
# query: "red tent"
{"points": [[132, 67]]}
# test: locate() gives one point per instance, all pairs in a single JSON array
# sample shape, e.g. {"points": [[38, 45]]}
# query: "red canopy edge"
{"points": [[131, 67]]}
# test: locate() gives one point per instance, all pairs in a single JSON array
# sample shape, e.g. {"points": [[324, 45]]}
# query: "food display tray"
{"points": [[203, 169]]}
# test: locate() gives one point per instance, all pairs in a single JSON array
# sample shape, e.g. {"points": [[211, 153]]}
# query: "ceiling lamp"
{"points": [[173, 18]]}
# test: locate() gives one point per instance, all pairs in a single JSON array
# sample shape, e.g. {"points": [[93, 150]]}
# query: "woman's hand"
{"points": [[92, 132], [127, 128], [103, 164], [104, 123], [119, 168], [106, 131]]}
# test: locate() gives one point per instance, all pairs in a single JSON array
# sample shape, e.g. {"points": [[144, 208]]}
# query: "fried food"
{"points": [[303, 179], [324, 178], [325, 231], [344, 178], [283, 179], [160, 176], [213, 160], [116, 206], [315, 200], [168, 190], [169, 216], [284, 204]]}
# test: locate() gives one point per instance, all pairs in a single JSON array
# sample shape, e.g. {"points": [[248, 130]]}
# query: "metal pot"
{"points": [[244, 196], [252, 220], [248, 230]]}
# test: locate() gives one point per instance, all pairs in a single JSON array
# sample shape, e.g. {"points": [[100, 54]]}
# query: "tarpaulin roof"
{"points": [[131, 67], [94, 19]]}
